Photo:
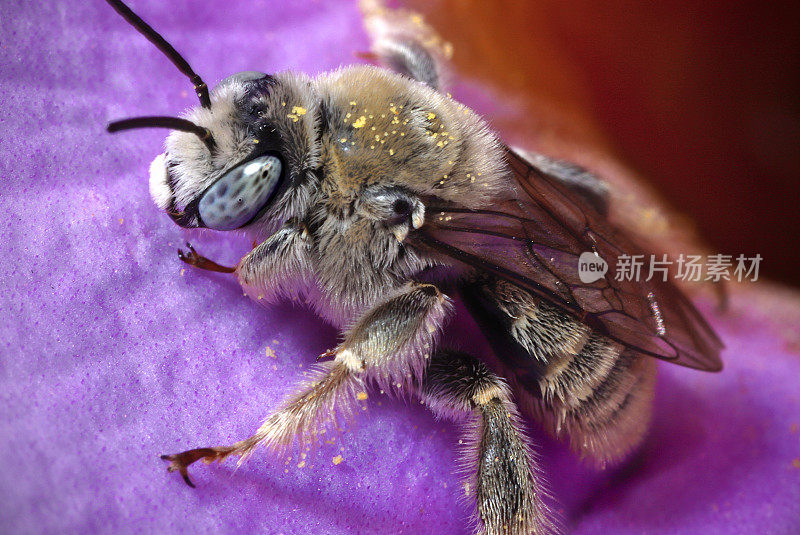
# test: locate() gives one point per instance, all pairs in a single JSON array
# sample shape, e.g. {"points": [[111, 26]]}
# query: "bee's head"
{"points": [[260, 129], [239, 159]]}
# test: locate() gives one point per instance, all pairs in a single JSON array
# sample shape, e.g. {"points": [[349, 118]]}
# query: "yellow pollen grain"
{"points": [[360, 122], [338, 459], [293, 117], [299, 110], [343, 140], [353, 103], [301, 464], [271, 353], [447, 49], [362, 396], [393, 109], [431, 116], [391, 152], [377, 137], [402, 134], [182, 272], [372, 128]]}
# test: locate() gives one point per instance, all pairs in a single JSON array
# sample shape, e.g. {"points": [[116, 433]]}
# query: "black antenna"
{"points": [[154, 37], [173, 123]]}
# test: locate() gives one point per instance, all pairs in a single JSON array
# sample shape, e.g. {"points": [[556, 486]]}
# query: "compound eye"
{"points": [[236, 198]]}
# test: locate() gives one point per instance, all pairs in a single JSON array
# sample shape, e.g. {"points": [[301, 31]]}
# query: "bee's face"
{"points": [[262, 128]]}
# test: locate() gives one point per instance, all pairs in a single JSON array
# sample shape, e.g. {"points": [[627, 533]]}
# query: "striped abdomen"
{"points": [[573, 380]]}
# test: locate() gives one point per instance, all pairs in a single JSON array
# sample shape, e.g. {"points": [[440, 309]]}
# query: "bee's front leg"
{"points": [[391, 344], [194, 259], [281, 256], [275, 266], [503, 476]]}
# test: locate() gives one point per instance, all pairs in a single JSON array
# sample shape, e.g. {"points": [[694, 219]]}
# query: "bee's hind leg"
{"points": [[502, 474]]}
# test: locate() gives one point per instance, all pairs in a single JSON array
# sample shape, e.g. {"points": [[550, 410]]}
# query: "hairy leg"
{"points": [[264, 271], [501, 470], [274, 266], [404, 43], [391, 344]]}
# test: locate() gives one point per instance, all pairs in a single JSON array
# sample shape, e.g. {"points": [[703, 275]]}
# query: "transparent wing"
{"points": [[535, 241]]}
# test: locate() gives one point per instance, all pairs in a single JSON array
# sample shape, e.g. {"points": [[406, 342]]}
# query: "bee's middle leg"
{"points": [[391, 344], [503, 477]]}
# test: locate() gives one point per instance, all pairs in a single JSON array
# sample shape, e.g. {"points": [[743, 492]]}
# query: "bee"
{"points": [[383, 199]]}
